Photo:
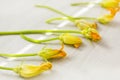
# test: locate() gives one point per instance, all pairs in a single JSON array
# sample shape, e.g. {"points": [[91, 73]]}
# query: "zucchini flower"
{"points": [[45, 53], [108, 17], [91, 34], [48, 53], [112, 6], [28, 71], [70, 39]]}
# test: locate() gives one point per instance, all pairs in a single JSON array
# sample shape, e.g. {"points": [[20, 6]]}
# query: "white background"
{"points": [[92, 61]]}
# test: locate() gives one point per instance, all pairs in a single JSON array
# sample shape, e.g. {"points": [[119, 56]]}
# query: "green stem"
{"points": [[54, 10], [38, 32], [38, 41], [17, 55], [87, 18], [6, 68], [83, 3], [57, 18], [67, 17]]}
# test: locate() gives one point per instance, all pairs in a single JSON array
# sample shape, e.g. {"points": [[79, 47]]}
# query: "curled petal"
{"points": [[28, 71]]}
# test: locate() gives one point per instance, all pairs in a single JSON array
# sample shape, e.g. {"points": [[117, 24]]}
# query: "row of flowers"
{"points": [[85, 28]]}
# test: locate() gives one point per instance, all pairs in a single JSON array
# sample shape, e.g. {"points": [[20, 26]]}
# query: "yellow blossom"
{"points": [[108, 17], [48, 53], [91, 34], [70, 39], [112, 5], [28, 71]]}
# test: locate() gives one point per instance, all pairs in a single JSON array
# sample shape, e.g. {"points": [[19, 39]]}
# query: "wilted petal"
{"points": [[28, 71]]}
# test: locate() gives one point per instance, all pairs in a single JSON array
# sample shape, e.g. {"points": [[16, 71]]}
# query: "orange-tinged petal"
{"points": [[95, 37], [77, 45], [113, 11], [60, 55]]}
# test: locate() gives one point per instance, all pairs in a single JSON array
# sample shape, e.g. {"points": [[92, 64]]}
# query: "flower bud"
{"points": [[47, 53], [71, 40]]}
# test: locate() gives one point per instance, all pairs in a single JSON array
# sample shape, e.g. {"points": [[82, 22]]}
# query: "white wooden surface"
{"points": [[96, 61]]}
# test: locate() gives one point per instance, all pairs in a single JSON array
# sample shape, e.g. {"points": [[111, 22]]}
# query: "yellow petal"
{"points": [[28, 71], [105, 18], [118, 0], [52, 53], [70, 39], [109, 3]]}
